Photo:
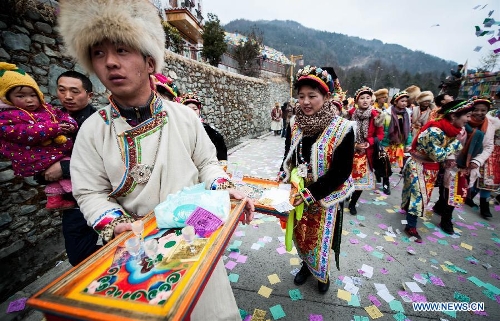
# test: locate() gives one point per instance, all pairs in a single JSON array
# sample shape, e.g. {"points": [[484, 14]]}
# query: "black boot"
{"points": [[352, 203], [323, 287], [446, 224], [469, 200], [386, 186], [302, 275], [484, 207]]}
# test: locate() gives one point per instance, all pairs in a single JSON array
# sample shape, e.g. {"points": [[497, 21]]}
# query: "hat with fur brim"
{"points": [[425, 96], [381, 93], [135, 23], [413, 92], [456, 106]]}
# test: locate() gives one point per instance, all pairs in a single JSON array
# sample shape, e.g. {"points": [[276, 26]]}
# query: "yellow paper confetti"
{"points": [[344, 295], [376, 233], [445, 268], [265, 201], [293, 251], [373, 311], [344, 232], [433, 253], [389, 210], [421, 259], [389, 238], [273, 279], [448, 263], [466, 246], [258, 315], [294, 261], [265, 291]]}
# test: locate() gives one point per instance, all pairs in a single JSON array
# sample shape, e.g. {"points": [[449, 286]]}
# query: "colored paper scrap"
{"points": [[413, 286], [315, 317], [273, 279], [373, 311], [344, 295], [294, 261], [259, 315], [400, 316], [354, 301], [265, 291], [377, 254], [396, 306], [242, 259], [295, 294], [466, 246], [361, 318], [233, 277], [230, 265], [17, 305], [374, 300], [461, 297], [277, 312]]}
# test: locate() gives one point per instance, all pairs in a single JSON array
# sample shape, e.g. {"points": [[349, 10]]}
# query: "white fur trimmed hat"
{"points": [[425, 96], [413, 92], [136, 23]]}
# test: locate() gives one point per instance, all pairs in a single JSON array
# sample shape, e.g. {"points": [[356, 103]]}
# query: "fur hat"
{"points": [[425, 96], [413, 92], [11, 76], [135, 23], [381, 93]]}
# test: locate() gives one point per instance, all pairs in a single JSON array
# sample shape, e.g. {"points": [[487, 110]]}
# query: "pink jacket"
{"points": [[21, 138]]}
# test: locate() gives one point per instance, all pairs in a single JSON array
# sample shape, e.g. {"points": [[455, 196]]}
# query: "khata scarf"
{"points": [[362, 118], [399, 135], [443, 124], [315, 124], [473, 146], [421, 117]]}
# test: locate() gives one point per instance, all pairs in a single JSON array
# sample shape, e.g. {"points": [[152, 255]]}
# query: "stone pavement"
{"points": [[461, 268], [458, 272]]}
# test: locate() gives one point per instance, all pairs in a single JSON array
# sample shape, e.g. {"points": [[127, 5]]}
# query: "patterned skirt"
{"points": [[363, 176], [396, 155], [419, 179], [313, 236], [490, 172]]}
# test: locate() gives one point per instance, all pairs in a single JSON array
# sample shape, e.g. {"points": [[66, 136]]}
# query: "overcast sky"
{"points": [[403, 22]]}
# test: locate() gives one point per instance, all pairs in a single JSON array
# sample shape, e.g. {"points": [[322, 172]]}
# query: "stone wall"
{"points": [[30, 237]]}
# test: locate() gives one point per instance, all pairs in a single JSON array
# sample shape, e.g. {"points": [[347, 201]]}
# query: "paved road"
{"points": [[440, 257], [364, 242]]}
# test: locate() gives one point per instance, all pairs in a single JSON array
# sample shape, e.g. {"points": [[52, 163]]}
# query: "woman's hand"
{"points": [[122, 227], [249, 206], [297, 199]]}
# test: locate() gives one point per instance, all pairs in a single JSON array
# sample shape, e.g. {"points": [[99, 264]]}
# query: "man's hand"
{"points": [[249, 206], [122, 227], [53, 173]]}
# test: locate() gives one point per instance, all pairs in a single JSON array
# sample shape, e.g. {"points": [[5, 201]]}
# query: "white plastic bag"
{"points": [[175, 210]]}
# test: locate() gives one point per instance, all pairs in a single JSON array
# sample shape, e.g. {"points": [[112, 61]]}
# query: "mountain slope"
{"points": [[334, 49]]}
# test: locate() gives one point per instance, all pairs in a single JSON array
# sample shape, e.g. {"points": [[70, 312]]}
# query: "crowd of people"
{"points": [[335, 147]]}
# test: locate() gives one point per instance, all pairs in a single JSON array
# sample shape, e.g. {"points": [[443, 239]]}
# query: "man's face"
{"points": [[72, 95], [123, 70]]}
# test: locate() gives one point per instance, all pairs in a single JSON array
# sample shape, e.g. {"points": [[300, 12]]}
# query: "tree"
{"points": [[173, 37], [213, 36], [489, 62], [247, 54]]}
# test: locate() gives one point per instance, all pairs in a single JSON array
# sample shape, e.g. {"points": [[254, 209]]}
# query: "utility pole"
{"points": [[293, 59]]}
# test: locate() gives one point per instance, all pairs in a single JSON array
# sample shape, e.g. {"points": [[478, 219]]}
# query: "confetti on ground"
{"points": [[17, 305], [277, 312], [265, 291], [233, 277], [344, 295], [258, 315], [295, 294], [294, 261], [273, 279], [230, 265], [315, 317], [373, 311]]}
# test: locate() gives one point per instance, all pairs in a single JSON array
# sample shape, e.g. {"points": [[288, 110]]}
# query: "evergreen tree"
{"points": [[248, 53], [214, 45]]}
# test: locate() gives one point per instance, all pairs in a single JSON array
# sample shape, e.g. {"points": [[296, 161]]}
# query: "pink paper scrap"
{"points": [[315, 317], [437, 281], [418, 297], [382, 226], [495, 276], [439, 234], [378, 215], [384, 271], [230, 265], [473, 234], [203, 221], [242, 259], [461, 278], [354, 241], [432, 239], [389, 258], [374, 300], [239, 233], [234, 255], [17, 305], [281, 250], [367, 248], [456, 247]]}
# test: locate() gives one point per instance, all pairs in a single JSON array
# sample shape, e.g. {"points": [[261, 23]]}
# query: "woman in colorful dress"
{"points": [[437, 142], [482, 165], [397, 134], [319, 149], [369, 129]]}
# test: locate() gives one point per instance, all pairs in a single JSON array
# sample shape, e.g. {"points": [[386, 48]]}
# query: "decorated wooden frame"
{"points": [[104, 286], [253, 187]]}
